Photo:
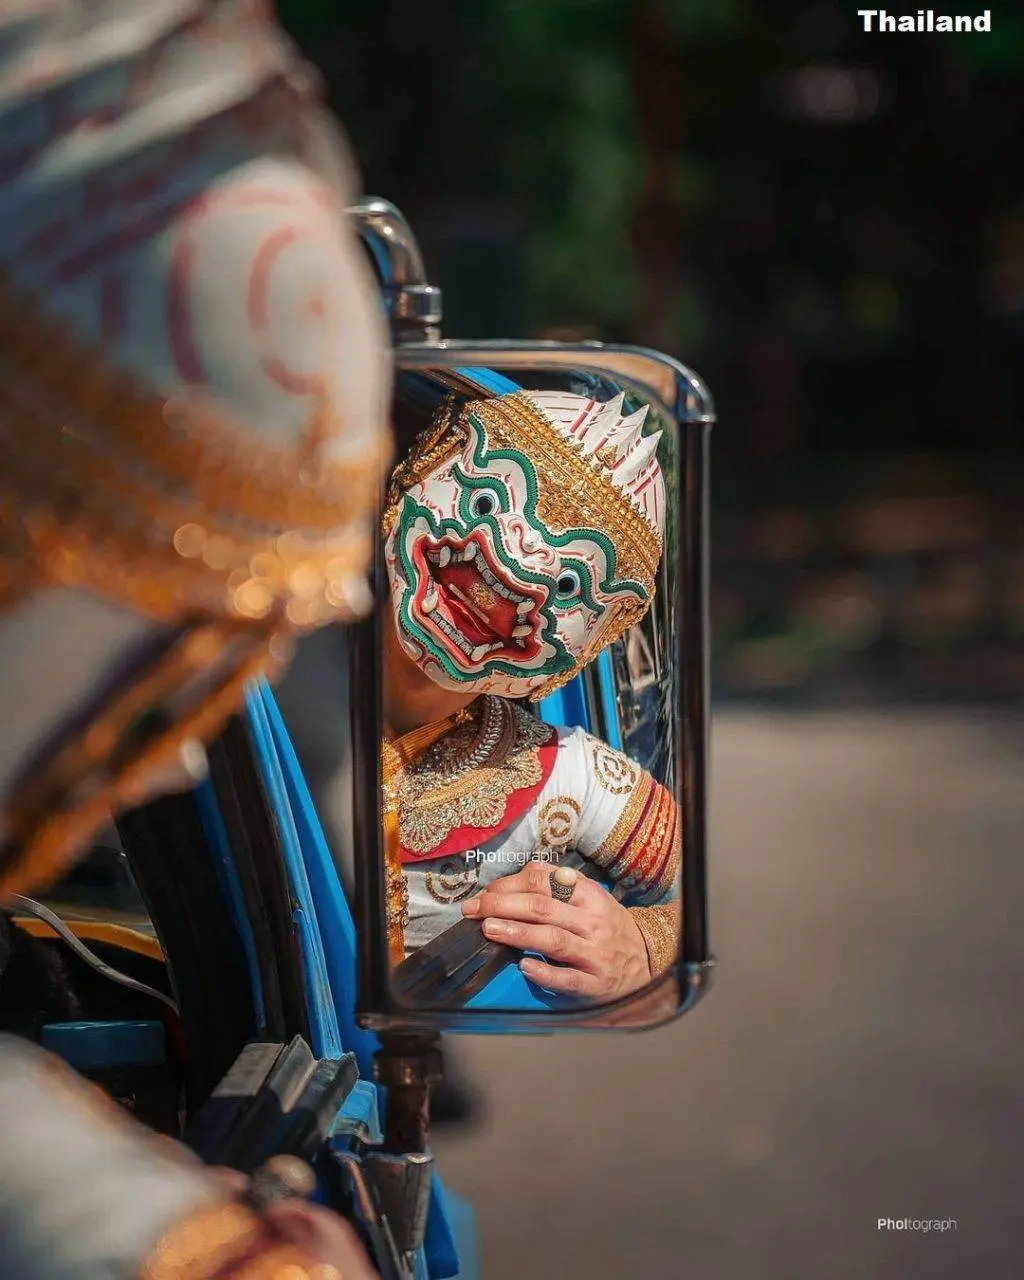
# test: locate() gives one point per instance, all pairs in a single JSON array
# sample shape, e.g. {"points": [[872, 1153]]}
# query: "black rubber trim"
{"points": [[452, 967], [166, 848], [252, 833], [276, 1100]]}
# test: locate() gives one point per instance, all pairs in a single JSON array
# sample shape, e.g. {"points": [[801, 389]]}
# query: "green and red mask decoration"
{"points": [[523, 536]]}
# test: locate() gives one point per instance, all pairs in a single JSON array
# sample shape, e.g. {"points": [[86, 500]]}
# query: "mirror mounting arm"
{"points": [[408, 1064], [414, 306]]}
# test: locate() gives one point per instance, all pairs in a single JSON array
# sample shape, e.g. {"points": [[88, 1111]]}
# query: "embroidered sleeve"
{"points": [[629, 825], [659, 927]]}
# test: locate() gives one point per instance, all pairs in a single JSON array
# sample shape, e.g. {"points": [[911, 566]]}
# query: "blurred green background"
{"points": [[828, 225]]}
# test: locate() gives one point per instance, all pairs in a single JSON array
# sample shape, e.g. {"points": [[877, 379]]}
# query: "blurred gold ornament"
{"points": [[163, 507], [183, 698], [166, 510]]}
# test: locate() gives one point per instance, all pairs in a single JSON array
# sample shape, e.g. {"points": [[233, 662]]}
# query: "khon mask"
{"points": [[524, 534]]}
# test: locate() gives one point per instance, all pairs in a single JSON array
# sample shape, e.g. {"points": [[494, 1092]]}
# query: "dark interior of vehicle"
{"points": [[82, 974], [86, 966], [165, 967]]}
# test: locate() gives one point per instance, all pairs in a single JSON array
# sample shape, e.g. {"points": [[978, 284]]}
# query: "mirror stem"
{"points": [[407, 1064], [413, 304]]}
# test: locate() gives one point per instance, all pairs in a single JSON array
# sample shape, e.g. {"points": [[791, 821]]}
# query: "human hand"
{"points": [[323, 1235], [600, 952]]}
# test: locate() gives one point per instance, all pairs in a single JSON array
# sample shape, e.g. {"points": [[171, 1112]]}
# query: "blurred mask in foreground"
{"points": [[194, 383], [524, 536]]}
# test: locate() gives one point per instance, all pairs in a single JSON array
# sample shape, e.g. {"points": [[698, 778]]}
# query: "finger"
{"points": [[531, 878], [532, 908], [236, 1182], [323, 1234], [535, 877], [551, 941], [572, 982]]}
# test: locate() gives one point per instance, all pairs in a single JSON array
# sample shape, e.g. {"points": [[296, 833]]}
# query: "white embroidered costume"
{"points": [[540, 793]]}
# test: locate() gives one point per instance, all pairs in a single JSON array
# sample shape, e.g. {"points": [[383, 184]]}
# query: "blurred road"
{"points": [[861, 1056]]}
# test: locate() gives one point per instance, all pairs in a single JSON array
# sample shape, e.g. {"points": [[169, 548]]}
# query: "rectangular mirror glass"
{"points": [[533, 763]]}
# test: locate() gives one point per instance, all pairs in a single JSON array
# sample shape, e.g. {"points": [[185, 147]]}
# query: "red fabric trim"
{"points": [[459, 839], [625, 858], [655, 879], [651, 853]]}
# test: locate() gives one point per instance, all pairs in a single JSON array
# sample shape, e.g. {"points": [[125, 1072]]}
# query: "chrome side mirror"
{"points": [[589, 795], [413, 305], [639, 709]]}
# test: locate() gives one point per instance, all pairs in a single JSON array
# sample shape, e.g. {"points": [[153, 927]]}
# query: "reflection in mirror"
{"points": [[530, 822]]}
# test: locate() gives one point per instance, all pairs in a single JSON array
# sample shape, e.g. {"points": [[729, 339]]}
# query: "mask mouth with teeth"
{"points": [[514, 553], [466, 612], [471, 599]]}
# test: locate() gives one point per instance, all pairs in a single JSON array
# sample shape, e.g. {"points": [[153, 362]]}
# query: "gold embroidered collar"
{"points": [[465, 778]]}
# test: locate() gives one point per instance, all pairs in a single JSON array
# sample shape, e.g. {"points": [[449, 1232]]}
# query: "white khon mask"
{"points": [[524, 535]]}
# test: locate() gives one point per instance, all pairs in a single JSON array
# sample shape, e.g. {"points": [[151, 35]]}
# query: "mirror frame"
{"points": [[675, 992]]}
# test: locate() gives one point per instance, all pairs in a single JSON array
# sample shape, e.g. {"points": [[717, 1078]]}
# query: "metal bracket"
{"points": [[407, 1064], [402, 1192], [413, 304], [402, 1184]]}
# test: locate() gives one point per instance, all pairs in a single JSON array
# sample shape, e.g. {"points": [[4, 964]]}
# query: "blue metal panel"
{"points": [[487, 380], [325, 1035], [327, 935], [511, 989], [332, 917], [359, 1117], [567, 706], [605, 673], [90, 1045]]}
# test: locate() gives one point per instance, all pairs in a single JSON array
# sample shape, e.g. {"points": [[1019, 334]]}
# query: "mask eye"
{"points": [[483, 503], [568, 584]]}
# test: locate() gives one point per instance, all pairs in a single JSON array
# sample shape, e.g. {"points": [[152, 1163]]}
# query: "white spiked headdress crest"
{"points": [[615, 444]]}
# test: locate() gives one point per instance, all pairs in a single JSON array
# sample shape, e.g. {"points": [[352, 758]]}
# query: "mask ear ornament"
{"points": [[628, 614]]}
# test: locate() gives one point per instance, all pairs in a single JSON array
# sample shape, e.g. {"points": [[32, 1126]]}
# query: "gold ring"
{"points": [[563, 882]]}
